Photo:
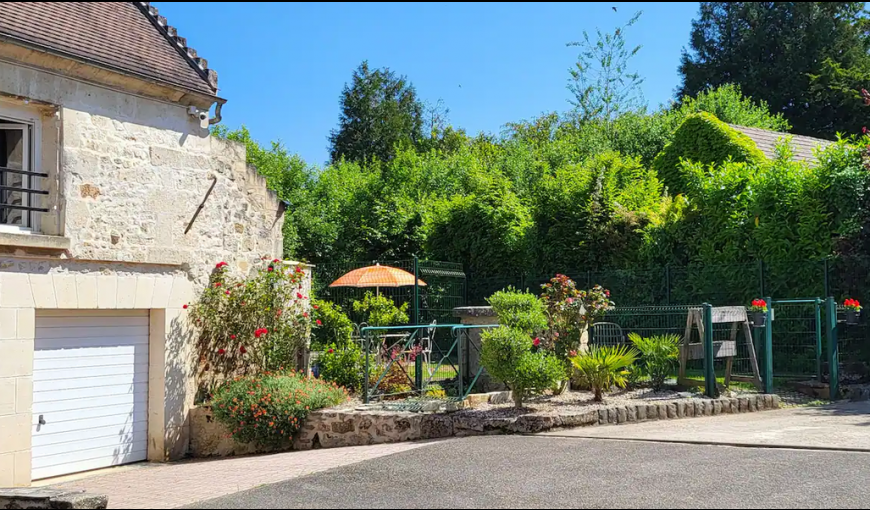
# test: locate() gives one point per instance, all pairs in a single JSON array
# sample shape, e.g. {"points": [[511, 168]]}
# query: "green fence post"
{"points": [[418, 360], [833, 349], [819, 339], [366, 375], [768, 348], [709, 367], [460, 334]]}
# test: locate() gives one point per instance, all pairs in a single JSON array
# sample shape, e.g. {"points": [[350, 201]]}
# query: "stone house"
{"points": [[105, 158]]}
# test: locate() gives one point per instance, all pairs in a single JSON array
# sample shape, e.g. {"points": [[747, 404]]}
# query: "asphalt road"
{"points": [[556, 472]]}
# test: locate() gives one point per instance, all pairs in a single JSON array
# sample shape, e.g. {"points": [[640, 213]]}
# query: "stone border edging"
{"points": [[334, 429]]}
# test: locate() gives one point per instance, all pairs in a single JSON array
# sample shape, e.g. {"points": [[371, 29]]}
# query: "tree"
{"points": [[601, 82], [378, 111], [807, 60]]}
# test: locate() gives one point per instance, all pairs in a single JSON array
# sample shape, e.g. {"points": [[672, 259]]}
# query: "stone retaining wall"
{"points": [[337, 428]]}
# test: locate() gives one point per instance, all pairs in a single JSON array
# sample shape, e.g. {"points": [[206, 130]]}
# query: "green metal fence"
{"points": [[795, 335], [419, 362]]}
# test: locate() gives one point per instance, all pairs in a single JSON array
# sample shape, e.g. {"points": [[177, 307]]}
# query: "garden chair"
{"points": [[607, 334]]}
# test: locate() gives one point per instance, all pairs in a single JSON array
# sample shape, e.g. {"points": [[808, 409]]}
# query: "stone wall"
{"points": [[128, 173], [348, 427], [126, 177]]}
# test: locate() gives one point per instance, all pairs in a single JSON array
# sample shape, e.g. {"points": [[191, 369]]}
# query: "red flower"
{"points": [[221, 351], [573, 354], [185, 307], [218, 284], [220, 265], [279, 312], [298, 269], [275, 261], [305, 314], [271, 269], [570, 301], [318, 322], [315, 307], [227, 293], [233, 337], [330, 351], [537, 342], [298, 295], [242, 349]]}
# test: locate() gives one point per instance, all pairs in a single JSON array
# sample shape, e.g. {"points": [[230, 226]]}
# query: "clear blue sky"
{"points": [[282, 65]]}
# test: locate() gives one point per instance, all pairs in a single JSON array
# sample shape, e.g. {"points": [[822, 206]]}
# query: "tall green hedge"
{"points": [[704, 139]]}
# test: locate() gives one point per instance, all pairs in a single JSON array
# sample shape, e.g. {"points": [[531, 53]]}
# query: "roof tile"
{"points": [[119, 35], [766, 140]]}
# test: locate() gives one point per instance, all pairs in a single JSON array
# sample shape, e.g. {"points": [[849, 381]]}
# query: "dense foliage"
{"points": [[582, 193], [247, 325], [380, 310], [334, 327], [808, 60], [269, 409], [702, 138], [343, 365]]}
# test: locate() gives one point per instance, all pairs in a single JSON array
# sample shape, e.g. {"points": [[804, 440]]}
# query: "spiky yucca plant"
{"points": [[604, 367]]}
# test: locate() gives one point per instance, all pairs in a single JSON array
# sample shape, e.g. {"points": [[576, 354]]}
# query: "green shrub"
{"points": [[343, 366], [507, 356], [704, 139], [659, 356], [381, 310], [602, 368], [519, 310], [269, 409], [335, 327], [435, 391]]}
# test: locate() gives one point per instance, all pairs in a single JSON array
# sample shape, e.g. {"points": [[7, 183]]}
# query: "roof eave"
{"points": [[202, 95]]}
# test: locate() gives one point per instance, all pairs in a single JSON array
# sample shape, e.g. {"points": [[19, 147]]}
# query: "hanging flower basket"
{"points": [[758, 313], [853, 312]]}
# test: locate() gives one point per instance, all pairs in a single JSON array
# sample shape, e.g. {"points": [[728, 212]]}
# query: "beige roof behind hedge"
{"points": [[766, 141]]}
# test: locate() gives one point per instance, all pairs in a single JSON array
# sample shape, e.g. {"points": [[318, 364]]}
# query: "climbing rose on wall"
{"points": [[259, 318]]}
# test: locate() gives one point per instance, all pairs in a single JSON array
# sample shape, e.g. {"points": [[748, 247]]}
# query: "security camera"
{"points": [[202, 115]]}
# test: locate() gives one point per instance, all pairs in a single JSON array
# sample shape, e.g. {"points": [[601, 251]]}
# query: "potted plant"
{"points": [[758, 313], [853, 311]]}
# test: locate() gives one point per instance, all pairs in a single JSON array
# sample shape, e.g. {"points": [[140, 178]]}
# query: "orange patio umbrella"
{"points": [[377, 276]]}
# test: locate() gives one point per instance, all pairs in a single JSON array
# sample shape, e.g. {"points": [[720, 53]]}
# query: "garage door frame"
{"points": [[79, 374]]}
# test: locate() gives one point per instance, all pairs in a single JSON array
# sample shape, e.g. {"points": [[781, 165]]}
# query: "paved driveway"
{"points": [[555, 472], [841, 426]]}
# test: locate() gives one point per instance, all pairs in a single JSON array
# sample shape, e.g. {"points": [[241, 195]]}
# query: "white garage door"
{"points": [[90, 390]]}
